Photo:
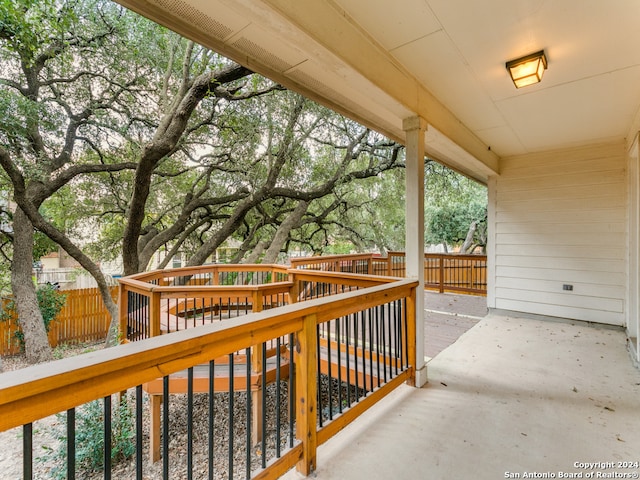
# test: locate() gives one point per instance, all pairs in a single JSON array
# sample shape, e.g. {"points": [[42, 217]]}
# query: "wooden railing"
{"points": [[445, 272], [328, 317], [361, 263], [164, 301], [83, 318]]}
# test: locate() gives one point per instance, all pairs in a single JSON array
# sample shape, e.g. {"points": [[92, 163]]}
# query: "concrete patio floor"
{"points": [[511, 397]]}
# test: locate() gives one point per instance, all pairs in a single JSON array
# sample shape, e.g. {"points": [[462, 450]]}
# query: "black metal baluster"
{"points": [[203, 309], [370, 324], [405, 331], [396, 338], [190, 423], [356, 341], [133, 316], [231, 416], [319, 376], [329, 372], [107, 437], [339, 353], [377, 338], [71, 444], [138, 329], [278, 393], [145, 316], [348, 357], [139, 432], [364, 349], [248, 424], [384, 339], [292, 389], [399, 334], [211, 432], [263, 446], [27, 451]]}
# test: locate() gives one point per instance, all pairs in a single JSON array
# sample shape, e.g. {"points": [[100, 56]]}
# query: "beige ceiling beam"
{"points": [[332, 28]]}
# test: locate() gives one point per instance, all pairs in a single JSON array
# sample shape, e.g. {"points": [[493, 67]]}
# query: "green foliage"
{"points": [[90, 438], [50, 302], [450, 223], [338, 248], [42, 245], [452, 203]]}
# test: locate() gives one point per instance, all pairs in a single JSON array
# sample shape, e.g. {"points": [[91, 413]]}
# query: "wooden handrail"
{"points": [[353, 279], [218, 291], [329, 258], [200, 269]]}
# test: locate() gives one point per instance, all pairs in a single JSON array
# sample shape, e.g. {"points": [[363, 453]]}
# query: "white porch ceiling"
{"points": [[381, 62]]}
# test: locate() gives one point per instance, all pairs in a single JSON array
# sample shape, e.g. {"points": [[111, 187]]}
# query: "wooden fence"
{"points": [[84, 318], [444, 272]]}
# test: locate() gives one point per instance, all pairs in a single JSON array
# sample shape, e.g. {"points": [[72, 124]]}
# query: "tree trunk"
{"points": [[171, 129], [291, 222], [36, 342], [468, 241], [254, 256]]}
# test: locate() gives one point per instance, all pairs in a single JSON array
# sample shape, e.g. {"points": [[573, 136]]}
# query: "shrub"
{"points": [[90, 438], [50, 302]]}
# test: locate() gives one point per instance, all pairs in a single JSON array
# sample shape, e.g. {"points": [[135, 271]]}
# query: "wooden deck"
{"points": [[447, 317]]}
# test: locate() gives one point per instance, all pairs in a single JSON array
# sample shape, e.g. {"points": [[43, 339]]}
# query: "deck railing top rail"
{"points": [[328, 258], [168, 273]]}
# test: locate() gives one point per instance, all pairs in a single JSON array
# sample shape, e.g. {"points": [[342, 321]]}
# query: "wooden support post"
{"points": [[154, 427], [123, 313], [441, 268], [306, 392], [154, 315], [257, 367], [155, 400], [294, 291]]}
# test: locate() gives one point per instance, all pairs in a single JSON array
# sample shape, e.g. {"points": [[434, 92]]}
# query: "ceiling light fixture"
{"points": [[527, 70]]}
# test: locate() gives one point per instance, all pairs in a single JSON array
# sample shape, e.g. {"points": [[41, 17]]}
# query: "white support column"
{"points": [[492, 191], [633, 293], [415, 128]]}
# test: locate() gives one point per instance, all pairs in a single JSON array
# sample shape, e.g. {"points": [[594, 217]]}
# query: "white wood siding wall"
{"points": [[561, 218]]}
